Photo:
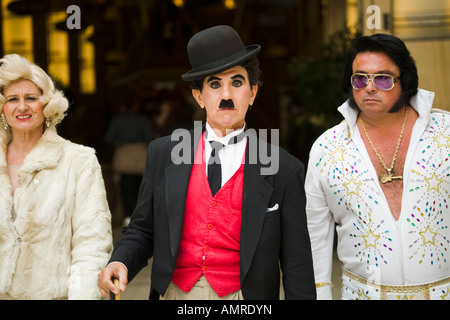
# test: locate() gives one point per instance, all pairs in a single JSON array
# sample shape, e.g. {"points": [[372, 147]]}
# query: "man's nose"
{"points": [[226, 92], [371, 86]]}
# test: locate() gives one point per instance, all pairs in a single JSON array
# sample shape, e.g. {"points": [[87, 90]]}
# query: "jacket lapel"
{"points": [[177, 178], [177, 182], [255, 200]]}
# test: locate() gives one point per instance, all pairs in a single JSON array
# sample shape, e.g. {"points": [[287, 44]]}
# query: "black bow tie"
{"points": [[214, 166]]}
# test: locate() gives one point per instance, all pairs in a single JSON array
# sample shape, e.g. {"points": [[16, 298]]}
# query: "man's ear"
{"points": [[197, 94], [254, 94]]}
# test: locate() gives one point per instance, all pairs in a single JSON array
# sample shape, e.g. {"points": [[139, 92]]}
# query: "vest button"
{"points": [[205, 268], [214, 203], [210, 226], [206, 248]]}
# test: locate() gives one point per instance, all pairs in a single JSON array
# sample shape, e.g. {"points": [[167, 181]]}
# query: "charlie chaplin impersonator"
{"points": [[218, 226]]}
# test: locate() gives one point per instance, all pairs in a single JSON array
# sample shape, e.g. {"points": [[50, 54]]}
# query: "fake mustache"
{"points": [[226, 104]]}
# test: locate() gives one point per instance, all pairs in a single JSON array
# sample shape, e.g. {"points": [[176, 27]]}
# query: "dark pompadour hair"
{"points": [[392, 47]]}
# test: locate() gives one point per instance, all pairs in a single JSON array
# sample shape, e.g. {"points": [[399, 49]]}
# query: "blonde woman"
{"points": [[55, 224]]}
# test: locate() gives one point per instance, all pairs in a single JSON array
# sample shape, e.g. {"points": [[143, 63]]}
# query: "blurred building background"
{"points": [[134, 52]]}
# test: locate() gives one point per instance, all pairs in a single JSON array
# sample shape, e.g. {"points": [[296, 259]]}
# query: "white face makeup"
{"points": [[226, 96]]}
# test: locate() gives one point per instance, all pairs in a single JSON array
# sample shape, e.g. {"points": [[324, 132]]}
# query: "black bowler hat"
{"points": [[216, 49]]}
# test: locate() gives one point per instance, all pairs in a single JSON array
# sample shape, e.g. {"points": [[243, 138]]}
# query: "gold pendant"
{"points": [[385, 178]]}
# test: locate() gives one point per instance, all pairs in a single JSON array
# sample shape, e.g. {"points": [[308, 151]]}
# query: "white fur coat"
{"points": [[61, 236]]}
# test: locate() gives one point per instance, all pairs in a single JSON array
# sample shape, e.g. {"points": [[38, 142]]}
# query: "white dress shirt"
{"points": [[231, 155], [343, 191]]}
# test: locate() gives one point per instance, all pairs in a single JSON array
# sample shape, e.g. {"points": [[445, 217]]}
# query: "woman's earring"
{"points": [[47, 122], [5, 124]]}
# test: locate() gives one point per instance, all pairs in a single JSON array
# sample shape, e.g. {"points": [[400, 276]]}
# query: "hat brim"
{"points": [[250, 52]]}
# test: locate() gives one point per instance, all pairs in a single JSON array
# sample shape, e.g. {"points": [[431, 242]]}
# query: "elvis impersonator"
{"points": [[218, 229], [381, 179]]}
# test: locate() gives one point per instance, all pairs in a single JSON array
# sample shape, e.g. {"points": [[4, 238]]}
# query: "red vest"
{"points": [[210, 240]]}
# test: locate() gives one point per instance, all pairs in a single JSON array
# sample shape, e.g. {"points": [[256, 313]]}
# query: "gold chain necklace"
{"points": [[389, 177]]}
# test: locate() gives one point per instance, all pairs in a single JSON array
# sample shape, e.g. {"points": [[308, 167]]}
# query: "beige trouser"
{"points": [[201, 291]]}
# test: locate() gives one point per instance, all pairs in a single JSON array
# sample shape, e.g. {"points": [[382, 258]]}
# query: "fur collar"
{"points": [[45, 155]]}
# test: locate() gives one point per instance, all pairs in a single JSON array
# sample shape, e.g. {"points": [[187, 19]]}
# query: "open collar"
{"points": [[422, 102]]}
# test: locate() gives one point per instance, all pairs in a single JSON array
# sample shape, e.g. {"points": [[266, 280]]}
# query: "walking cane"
{"points": [[115, 296]]}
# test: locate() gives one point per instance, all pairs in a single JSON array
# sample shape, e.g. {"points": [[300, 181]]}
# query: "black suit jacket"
{"points": [[269, 240]]}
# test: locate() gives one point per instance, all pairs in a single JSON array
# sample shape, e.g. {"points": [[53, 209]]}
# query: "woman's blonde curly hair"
{"points": [[15, 67]]}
